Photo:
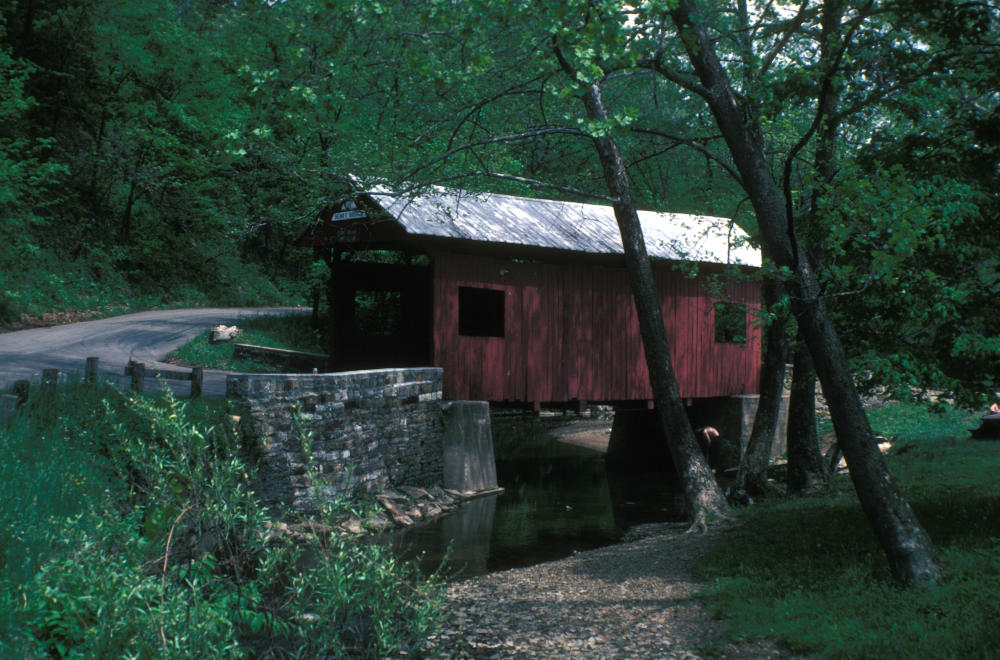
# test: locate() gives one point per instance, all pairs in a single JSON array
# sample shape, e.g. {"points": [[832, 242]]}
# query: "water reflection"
{"points": [[559, 498]]}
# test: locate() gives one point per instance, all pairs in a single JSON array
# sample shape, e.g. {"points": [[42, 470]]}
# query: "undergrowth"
{"points": [[130, 529], [46, 283], [808, 572], [292, 332]]}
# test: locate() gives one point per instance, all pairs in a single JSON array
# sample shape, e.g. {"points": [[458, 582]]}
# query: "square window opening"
{"points": [[730, 323], [481, 312]]}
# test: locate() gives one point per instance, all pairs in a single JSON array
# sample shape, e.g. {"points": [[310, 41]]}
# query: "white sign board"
{"points": [[349, 215]]}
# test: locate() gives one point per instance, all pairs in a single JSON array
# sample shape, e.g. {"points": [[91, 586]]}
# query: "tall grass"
{"points": [[809, 573], [129, 528]]}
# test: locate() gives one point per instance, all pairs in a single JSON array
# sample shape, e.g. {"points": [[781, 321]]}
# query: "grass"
{"points": [[294, 332], [808, 572]]}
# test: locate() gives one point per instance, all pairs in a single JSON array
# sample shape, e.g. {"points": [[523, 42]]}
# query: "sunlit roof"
{"points": [[591, 228]]}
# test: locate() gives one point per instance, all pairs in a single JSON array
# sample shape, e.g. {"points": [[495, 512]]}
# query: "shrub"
{"points": [[134, 532]]}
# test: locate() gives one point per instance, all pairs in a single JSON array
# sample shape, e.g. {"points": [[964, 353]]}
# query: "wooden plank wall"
{"points": [[571, 333]]}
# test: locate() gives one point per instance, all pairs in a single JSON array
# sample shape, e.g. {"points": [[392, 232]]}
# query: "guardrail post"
{"points": [[8, 406], [197, 381], [22, 389], [138, 376], [50, 377], [90, 371]]}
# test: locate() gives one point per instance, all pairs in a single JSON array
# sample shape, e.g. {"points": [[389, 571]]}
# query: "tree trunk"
{"points": [[807, 470], [702, 493], [906, 544], [752, 474], [125, 232]]}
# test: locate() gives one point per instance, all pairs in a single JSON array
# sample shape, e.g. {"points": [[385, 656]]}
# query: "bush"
{"points": [[133, 531]]}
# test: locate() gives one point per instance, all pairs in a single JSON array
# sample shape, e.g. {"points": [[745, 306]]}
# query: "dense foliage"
{"points": [[130, 529], [160, 151], [130, 175]]}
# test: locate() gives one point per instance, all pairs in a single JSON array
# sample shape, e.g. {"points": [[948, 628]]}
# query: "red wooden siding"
{"points": [[571, 333]]}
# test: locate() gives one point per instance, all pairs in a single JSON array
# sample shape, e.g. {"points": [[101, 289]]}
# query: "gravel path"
{"points": [[631, 600]]}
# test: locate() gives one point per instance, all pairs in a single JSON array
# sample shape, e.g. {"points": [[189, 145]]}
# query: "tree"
{"points": [[751, 476], [906, 544], [134, 107], [25, 176], [702, 493], [807, 470], [913, 216]]}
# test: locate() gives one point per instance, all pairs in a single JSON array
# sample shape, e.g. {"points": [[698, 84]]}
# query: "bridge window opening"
{"points": [[730, 323], [378, 313], [480, 312]]}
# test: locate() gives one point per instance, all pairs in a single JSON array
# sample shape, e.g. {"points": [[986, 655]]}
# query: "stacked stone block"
{"points": [[322, 435]]}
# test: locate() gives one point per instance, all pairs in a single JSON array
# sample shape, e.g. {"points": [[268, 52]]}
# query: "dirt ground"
{"points": [[630, 600], [590, 434]]}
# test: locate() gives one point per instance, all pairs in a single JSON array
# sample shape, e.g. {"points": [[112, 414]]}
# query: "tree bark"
{"points": [[906, 544], [806, 468], [752, 474], [702, 493], [807, 471]]}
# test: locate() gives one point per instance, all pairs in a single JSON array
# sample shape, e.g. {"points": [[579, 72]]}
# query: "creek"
{"points": [[558, 499]]}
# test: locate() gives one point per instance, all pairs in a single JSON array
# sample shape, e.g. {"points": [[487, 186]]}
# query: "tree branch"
{"points": [[826, 88], [656, 64], [794, 25], [694, 145], [414, 188], [511, 91], [501, 139]]}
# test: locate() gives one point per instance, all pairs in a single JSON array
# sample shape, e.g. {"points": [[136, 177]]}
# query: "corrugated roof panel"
{"points": [[564, 225]]}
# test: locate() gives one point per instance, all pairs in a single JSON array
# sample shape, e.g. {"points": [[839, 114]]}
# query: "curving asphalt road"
{"points": [[146, 337]]}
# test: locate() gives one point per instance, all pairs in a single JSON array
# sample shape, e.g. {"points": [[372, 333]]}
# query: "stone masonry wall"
{"points": [[364, 431]]}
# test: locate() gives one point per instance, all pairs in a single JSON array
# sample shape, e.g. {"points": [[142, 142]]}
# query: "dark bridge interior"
{"points": [[381, 315]]}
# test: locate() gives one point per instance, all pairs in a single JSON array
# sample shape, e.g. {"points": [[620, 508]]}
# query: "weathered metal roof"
{"points": [[590, 228]]}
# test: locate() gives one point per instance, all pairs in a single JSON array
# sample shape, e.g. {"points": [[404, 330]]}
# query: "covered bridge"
{"points": [[527, 300]]}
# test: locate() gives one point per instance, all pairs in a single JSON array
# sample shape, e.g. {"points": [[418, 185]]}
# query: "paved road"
{"points": [[146, 337]]}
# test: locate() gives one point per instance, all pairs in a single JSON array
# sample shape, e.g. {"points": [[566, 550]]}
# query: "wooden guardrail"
{"points": [[9, 403], [282, 359], [8, 406], [137, 370]]}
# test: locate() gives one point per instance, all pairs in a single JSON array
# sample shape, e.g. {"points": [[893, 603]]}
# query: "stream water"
{"points": [[558, 498]]}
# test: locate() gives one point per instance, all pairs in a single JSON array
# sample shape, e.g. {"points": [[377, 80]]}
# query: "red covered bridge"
{"points": [[527, 300]]}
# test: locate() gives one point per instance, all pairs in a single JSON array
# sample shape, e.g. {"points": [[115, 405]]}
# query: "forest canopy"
{"points": [[170, 151]]}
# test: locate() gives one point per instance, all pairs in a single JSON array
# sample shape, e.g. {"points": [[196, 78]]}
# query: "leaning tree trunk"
{"points": [[752, 474], [807, 471], [906, 544], [702, 493], [806, 468]]}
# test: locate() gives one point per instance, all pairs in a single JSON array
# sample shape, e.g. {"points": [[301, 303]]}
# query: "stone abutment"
{"points": [[349, 433]]}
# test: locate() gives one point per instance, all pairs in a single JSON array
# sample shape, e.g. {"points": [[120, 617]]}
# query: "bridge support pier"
{"points": [[469, 464], [637, 442]]}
